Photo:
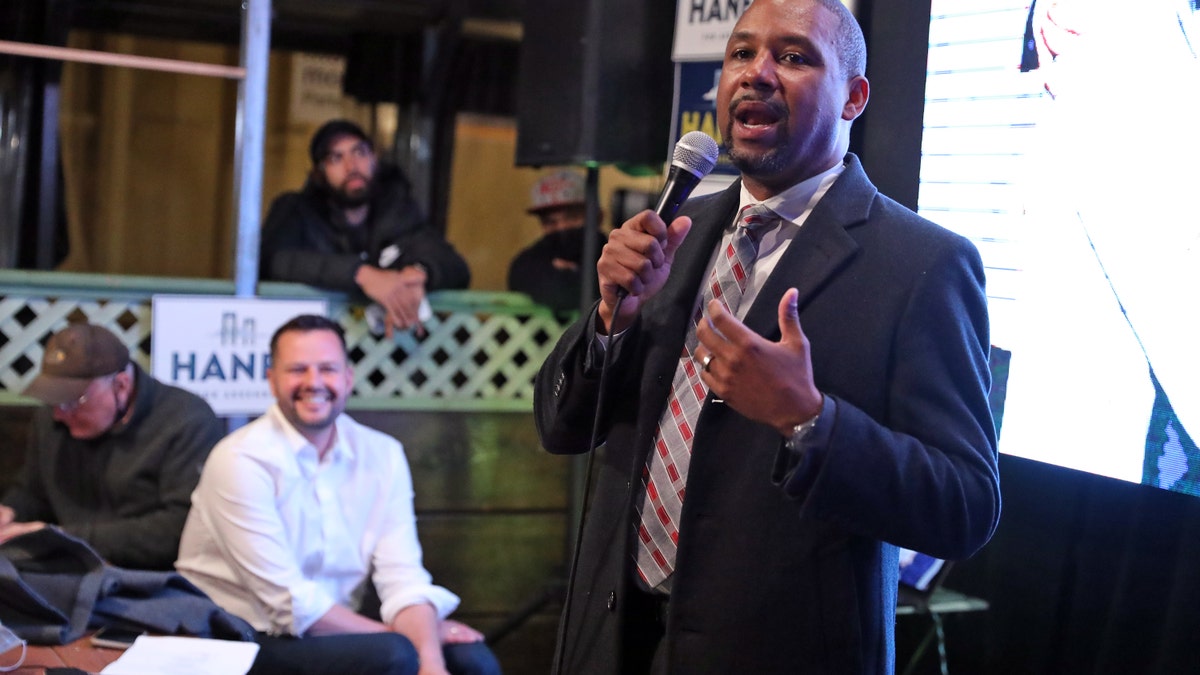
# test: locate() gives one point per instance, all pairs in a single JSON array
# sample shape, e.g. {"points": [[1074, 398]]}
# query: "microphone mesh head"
{"points": [[696, 152]]}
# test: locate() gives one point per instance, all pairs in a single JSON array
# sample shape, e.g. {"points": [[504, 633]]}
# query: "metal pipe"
{"points": [[249, 141], [126, 60]]}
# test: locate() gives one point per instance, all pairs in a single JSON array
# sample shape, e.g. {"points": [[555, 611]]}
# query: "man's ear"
{"points": [[123, 382], [125, 376], [856, 99]]}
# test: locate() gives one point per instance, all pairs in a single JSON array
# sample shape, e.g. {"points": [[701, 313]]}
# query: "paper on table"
{"points": [[154, 655]]}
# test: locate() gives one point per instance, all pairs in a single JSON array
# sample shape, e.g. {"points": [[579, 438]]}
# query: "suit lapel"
{"points": [[710, 216], [821, 248]]}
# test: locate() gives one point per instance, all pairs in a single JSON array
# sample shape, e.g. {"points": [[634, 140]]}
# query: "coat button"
{"points": [[612, 600]]}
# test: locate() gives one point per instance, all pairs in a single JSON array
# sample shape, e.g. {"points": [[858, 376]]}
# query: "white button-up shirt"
{"points": [[278, 537]]}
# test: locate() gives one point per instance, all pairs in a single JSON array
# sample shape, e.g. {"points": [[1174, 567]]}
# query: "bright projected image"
{"points": [[1063, 138]]}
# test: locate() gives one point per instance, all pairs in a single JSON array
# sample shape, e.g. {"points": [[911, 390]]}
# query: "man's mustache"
{"points": [[777, 107]]}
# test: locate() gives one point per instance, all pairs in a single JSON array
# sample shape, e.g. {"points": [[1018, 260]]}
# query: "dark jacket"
{"points": [[533, 273], [127, 492], [787, 561], [53, 587], [304, 239]]}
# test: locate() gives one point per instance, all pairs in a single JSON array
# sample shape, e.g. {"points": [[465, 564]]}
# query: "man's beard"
{"points": [[768, 163], [336, 407], [350, 200]]}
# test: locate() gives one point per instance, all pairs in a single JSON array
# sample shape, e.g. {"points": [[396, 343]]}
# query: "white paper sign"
{"points": [[702, 28], [184, 656], [218, 347], [316, 92]]}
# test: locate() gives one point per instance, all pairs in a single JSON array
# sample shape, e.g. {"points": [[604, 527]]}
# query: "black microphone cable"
{"points": [[694, 156], [587, 489]]}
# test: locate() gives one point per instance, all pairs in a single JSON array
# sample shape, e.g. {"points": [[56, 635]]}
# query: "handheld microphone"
{"points": [[695, 155]]}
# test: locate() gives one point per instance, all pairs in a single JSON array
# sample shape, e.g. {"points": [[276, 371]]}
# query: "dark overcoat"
{"points": [[787, 559]]}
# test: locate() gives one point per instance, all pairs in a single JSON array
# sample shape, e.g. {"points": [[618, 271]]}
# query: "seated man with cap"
{"points": [[355, 227], [113, 456], [550, 270]]}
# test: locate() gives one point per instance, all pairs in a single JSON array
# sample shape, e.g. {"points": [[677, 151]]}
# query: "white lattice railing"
{"points": [[481, 350]]}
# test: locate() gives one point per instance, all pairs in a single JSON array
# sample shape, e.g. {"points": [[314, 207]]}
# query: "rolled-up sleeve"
{"points": [[400, 576]]}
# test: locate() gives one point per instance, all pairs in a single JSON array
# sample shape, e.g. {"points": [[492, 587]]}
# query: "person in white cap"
{"points": [[549, 270], [113, 456]]}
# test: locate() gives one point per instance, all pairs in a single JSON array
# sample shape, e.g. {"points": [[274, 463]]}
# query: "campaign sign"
{"points": [[219, 347], [702, 28], [696, 108]]}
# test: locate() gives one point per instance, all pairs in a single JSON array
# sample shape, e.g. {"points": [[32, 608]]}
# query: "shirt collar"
{"points": [[302, 448], [794, 203]]}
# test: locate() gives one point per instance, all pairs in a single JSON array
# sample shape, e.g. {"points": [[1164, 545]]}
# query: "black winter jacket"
{"points": [[305, 241]]}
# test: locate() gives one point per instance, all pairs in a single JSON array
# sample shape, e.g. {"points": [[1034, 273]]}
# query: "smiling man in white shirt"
{"points": [[292, 513]]}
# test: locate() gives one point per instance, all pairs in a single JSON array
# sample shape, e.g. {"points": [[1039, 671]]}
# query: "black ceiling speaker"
{"points": [[595, 82]]}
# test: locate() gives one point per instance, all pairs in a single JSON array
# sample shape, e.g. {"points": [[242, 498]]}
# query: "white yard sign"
{"points": [[218, 347], [702, 28]]}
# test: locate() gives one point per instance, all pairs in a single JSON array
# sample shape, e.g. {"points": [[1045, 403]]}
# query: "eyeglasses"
{"points": [[72, 406]]}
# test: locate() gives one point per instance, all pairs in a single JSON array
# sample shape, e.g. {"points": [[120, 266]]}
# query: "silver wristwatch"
{"points": [[801, 430]]}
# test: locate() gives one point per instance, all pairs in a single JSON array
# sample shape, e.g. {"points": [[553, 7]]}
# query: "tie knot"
{"points": [[757, 219]]}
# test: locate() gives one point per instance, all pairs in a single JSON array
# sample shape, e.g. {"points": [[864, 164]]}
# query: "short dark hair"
{"points": [[851, 46], [318, 148], [306, 323]]}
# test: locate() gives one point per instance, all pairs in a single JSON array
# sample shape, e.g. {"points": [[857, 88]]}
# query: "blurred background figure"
{"points": [[355, 227], [550, 270]]}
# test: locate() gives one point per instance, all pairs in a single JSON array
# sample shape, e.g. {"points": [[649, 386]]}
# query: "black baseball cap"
{"points": [[329, 132]]}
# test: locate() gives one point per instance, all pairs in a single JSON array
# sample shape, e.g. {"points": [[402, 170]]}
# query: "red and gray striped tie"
{"points": [[665, 476]]}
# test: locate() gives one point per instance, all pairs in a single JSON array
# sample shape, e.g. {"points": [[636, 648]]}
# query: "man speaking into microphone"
{"points": [[796, 385]]}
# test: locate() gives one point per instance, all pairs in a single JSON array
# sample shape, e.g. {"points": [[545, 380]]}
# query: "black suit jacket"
{"points": [[787, 561]]}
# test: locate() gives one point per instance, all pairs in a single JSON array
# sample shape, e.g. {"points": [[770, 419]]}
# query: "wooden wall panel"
{"points": [[486, 219], [149, 167], [475, 461]]}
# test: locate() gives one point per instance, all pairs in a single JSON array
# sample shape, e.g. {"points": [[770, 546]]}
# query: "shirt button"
{"points": [[612, 600]]}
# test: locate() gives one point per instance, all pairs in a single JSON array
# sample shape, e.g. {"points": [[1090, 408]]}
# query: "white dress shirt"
{"points": [[278, 537]]}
